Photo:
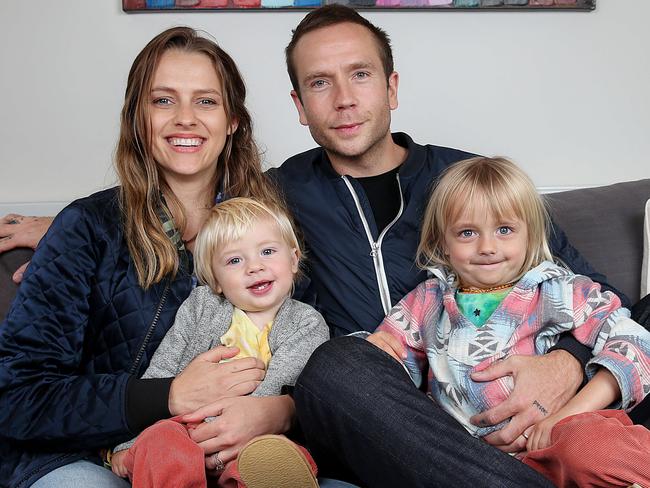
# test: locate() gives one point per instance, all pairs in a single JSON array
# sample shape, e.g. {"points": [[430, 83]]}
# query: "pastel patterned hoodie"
{"points": [[548, 301]]}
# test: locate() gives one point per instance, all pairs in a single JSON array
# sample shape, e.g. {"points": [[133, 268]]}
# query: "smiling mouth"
{"points": [[348, 127], [185, 141], [260, 286]]}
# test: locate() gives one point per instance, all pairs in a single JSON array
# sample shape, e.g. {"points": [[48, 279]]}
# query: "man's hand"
{"points": [[388, 343], [118, 464], [205, 380], [20, 231], [542, 385], [236, 421]]}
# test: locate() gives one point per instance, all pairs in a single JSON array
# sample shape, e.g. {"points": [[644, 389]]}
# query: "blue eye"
{"points": [[162, 101], [234, 261], [504, 230], [466, 233], [268, 251], [362, 75]]}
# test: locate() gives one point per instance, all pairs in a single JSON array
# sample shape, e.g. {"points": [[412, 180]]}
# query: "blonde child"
{"points": [[495, 292], [248, 256]]}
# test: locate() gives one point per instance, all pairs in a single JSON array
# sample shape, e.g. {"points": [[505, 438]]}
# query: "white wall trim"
{"points": [[32, 208], [557, 189], [52, 208]]}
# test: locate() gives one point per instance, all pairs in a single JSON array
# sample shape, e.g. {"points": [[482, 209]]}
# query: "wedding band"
{"points": [[525, 435], [218, 463]]}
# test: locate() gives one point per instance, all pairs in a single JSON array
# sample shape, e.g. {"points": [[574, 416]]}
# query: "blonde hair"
{"points": [[496, 184], [238, 172], [228, 222]]}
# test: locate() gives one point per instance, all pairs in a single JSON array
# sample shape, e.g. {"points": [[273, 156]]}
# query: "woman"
{"points": [[105, 283]]}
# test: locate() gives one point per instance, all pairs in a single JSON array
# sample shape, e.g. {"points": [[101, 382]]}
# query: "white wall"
{"points": [[567, 94]]}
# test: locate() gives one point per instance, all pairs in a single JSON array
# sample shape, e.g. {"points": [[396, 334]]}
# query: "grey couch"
{"points": [[605, 224]]}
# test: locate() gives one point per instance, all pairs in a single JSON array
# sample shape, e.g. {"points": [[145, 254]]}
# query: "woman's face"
{"points": [[187, 116]]}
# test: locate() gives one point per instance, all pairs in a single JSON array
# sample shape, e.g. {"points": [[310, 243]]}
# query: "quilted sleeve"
{"points": [[43, 396], [305, 332], [618, 343], [406, 321]]}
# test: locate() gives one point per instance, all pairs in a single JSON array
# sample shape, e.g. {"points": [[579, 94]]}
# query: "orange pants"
{"points": [[595, 449], [164, 455]]}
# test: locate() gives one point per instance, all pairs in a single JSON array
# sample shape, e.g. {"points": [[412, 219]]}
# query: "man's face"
{"points": [[344, 97]]}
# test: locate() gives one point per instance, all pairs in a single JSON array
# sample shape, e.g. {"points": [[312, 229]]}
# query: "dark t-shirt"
{"points": [[383, 194]]}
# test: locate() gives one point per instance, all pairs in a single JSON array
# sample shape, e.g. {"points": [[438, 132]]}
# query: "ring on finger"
{"points": [[219, 465]]}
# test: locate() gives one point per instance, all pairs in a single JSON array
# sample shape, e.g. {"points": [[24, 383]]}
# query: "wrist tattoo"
{"points": [[540, 407]]}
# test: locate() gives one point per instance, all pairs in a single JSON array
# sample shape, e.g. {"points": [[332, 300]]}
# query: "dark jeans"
{"points": [[641, 314], [357, 407]]}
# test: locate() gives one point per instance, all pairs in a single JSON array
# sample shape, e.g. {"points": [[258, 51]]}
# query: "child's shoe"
{"points": [[273, 461]]}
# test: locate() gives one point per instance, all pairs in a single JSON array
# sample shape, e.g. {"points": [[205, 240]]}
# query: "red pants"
{"points": [[595, 449], [164, 455]]}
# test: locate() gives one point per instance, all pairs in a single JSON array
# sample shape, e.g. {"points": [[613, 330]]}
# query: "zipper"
{"points": [[375, 246], [147, 337]]}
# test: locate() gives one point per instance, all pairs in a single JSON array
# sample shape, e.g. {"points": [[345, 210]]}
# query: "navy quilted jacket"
{"points": [[78, 329]]}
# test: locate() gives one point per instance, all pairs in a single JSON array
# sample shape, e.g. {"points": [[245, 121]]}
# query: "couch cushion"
{"points": [[606, 225]]}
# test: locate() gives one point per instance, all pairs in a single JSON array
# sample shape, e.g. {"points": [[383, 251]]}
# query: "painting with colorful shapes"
{"points": [[161, 5]]}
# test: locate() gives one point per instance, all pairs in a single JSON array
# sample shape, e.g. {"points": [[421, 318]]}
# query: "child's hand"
{"points": [[388, 343], [118, 465], [600, 392], [540, 434]]}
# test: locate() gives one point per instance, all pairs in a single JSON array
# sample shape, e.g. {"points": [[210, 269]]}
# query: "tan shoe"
{"points": [[273, 461]]}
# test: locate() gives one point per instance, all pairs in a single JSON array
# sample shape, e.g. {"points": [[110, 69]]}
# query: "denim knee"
{"points": [[336, 363]]}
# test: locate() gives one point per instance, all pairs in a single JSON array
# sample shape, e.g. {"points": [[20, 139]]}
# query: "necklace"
{"points": [[472, 289]]}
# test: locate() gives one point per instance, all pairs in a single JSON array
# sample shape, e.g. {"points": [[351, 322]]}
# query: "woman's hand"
{"points": [[205, 380], [388, 343], [118, 463], [20, 231], [236, 421]]}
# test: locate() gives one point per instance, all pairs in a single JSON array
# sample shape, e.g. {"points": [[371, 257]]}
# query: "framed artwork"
{"points": [[160, 5]]}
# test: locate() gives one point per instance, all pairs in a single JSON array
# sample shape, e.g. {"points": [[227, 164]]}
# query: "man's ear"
{"points": [[393, 82], [301, 110]]}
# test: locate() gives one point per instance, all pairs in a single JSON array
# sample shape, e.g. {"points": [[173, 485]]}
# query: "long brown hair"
{"points": [[238, 169]]}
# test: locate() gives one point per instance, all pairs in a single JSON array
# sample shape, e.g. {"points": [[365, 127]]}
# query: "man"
{"points": [[359, 199]]}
